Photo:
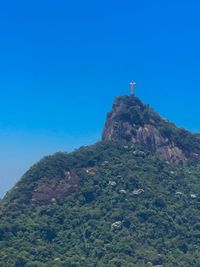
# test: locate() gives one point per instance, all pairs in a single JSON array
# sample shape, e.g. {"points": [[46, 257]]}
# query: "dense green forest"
{"points": [[117, 203], [131, 209]]}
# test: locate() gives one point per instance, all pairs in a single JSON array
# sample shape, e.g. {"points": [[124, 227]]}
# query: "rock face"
{"points": [[135, 122], [151, 137], [112, 203], [116, 226], [51, 191]]}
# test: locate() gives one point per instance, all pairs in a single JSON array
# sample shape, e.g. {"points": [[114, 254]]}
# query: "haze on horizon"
{"points": [[63, 63]]}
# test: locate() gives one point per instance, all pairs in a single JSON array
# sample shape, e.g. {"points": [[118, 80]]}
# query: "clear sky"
{"points": [[62, 63]]}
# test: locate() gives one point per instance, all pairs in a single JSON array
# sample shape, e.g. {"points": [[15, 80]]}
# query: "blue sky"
{"points": [[63, 62]]}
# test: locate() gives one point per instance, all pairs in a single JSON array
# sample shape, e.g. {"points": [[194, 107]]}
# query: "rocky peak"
{"points": [[135, 122]]}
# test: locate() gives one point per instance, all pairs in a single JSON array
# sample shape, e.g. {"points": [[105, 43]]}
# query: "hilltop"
{"points": [[132, 199], [135, 122]]}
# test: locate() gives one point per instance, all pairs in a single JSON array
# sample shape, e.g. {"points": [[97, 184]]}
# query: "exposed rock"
{"points": [[179, 193], [90, 171], [122, 191], [105, 163], [138, 153], [112, 183], [148, 135], [138, 192], [53, 200], [47, 192], [116, 226], [127, 121]]}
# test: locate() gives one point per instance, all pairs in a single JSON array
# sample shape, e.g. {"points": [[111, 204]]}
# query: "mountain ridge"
{"points": [[136, 122], [117, 203]]}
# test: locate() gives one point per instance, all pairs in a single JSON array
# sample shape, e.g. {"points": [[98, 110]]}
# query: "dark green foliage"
{"points": [[134, 111], [130, 208], [158, 225], [137, 114]]}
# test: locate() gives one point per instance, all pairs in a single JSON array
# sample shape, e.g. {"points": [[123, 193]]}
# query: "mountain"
{"points": [[130, 200], [133, 121]]}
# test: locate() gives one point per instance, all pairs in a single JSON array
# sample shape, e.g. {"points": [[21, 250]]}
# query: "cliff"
{"points": [[120, 202], [135, 122]]}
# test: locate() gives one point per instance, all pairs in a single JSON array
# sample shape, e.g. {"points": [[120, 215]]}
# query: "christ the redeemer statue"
{"points": [[132, 85]]}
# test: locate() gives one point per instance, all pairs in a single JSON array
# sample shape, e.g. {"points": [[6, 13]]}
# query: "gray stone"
{"points": [[178, 193], [112, 183], [138, 153], [122, 191], [138, 191], [116, 226]]}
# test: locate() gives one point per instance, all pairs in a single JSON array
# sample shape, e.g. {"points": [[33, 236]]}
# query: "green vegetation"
{"points": [[159, 224], [114, 204], [138, 114]]}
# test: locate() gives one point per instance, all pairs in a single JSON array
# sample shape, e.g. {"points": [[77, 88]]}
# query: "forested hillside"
{"points": [[118, 203]]}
